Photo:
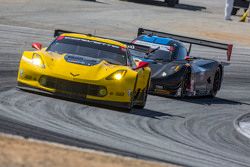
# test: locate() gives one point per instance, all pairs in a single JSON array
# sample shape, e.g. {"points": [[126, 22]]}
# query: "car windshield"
{"points": [[157, 55], [93, 50], [160, 55]]}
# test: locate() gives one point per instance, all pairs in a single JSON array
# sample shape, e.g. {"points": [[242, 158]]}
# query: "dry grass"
{"points": [[18, 152]]}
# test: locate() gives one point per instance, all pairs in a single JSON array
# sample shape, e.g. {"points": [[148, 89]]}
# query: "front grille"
{"points": [[69, 86]]}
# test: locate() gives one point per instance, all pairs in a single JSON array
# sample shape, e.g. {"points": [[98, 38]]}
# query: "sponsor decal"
{"points": [[92, 41], [119, 94], [81, 60]]}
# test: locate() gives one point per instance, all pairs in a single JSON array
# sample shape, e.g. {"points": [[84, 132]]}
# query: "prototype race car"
{"points": [[85, 67], [174, 71]]}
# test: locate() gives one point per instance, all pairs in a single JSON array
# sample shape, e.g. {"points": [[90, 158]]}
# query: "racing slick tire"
{"points": [[185, 83], [171, 3], [216, 83]]}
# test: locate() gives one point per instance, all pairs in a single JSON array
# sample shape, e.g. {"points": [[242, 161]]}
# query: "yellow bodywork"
{"points": [[55, 67]]}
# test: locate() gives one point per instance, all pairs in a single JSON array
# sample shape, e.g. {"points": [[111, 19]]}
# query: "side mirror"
{"points": [[188, 58], [37, 46], [141, 64]]}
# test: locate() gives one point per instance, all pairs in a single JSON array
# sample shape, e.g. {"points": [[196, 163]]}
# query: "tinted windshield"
{"points": [[89, 49], [160, 55], [137, 53]]}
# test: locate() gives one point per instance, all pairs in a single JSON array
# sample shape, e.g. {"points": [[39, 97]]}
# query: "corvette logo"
{"points": [[74, 75]]}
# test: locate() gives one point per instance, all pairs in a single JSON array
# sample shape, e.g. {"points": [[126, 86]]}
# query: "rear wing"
{"points": [[189, 40]]}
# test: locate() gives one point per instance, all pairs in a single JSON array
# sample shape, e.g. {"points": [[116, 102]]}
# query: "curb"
{"points": [[237, 125]]}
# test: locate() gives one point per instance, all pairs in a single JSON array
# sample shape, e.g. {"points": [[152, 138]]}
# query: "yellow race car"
{"points": [[85, 67]]}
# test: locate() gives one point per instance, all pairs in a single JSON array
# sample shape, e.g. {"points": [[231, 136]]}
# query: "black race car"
{"points": [[174, 71]]}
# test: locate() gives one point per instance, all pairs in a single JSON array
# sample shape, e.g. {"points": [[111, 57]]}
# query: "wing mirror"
{"points": [[141, 64], [188, 58], [37, 46]]}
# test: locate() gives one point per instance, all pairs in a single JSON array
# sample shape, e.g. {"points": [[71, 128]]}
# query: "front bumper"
{"points": [[76, 97], [100, 90]]}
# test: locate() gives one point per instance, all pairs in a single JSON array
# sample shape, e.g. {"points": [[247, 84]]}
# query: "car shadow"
{"points": [[190, 7], [203, 100], [163, 4], [96, 1], [153, 114], [210, 101], [140, 112]]}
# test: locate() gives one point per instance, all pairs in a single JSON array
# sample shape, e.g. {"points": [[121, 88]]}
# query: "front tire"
{"points": [[185, 83]]}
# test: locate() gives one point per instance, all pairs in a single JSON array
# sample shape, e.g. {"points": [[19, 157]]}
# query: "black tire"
{"points": [[184, 84], [171, 3], [234, 11], [216, 83]]}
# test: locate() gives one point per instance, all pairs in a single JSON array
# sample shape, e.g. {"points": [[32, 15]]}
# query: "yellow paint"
{"points": [[54, 65]]}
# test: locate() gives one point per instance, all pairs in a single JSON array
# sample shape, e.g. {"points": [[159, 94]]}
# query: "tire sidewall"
{"points": [[214, 90]]}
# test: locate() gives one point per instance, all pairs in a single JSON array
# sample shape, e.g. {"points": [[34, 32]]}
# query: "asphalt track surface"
{"points": [[242, 124], [189, 132]]}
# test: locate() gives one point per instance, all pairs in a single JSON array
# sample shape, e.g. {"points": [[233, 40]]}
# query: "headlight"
{"points": [[37, 60], [118, 75]]}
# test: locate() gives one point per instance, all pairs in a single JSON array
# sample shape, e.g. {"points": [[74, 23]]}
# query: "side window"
{"points": [[182, 53]]}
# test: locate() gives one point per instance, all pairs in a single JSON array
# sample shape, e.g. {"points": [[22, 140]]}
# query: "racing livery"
{"points": [[85, 67], [174, 71]]}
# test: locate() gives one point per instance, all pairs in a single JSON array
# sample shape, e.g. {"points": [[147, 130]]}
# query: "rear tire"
{"points": [[216, 83]]}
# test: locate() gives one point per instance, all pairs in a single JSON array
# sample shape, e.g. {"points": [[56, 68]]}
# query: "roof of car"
{"points": [[155, 39], [94, 38]]}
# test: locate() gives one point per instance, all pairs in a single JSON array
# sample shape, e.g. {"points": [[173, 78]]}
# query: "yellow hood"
{"points": [[58, 65]]}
